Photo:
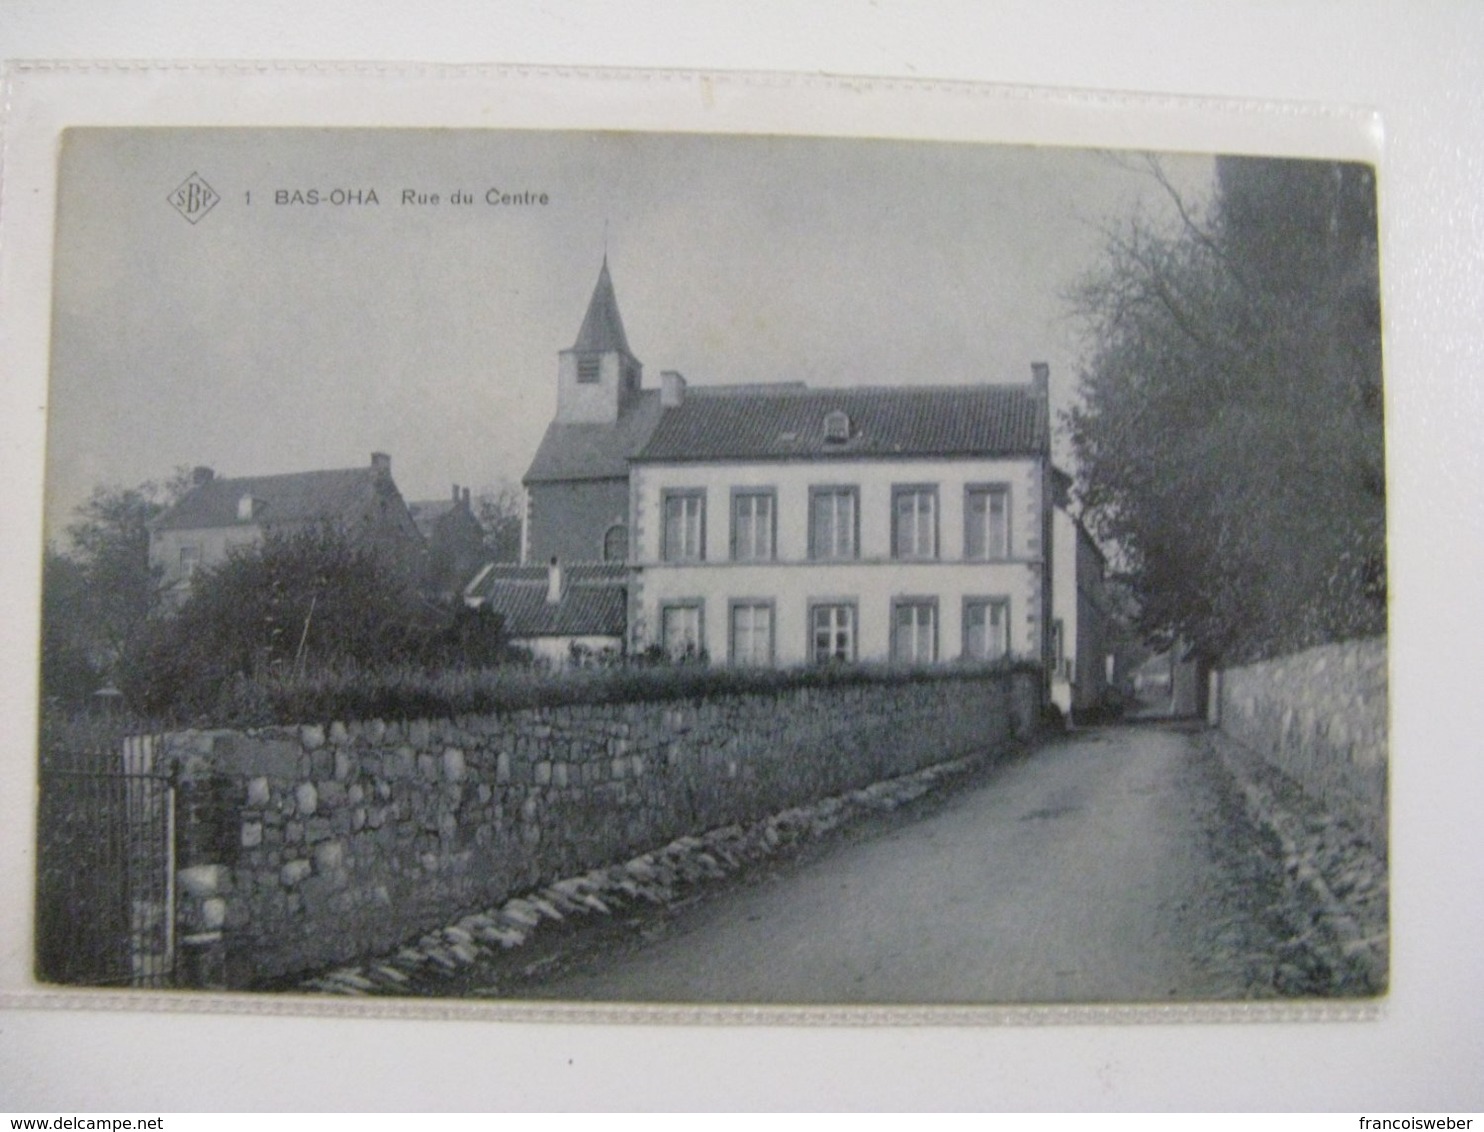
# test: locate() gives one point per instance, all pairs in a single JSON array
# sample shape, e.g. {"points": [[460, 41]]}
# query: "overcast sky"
{"points": [[272, 337]]}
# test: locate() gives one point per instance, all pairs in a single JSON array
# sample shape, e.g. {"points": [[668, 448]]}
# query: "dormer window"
{"points": [[836, 427], [587, 370]]}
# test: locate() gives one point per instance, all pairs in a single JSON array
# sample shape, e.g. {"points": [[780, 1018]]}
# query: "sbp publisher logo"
{"points": [[194, 198]]}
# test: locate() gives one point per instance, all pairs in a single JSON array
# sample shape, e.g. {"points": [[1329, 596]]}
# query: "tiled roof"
{"points": [[296, 497], [602, 327], [967, 420], [594, 600], [595, 451]]}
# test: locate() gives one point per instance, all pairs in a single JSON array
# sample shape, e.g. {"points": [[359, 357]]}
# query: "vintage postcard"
{"points": [[614, 559]]}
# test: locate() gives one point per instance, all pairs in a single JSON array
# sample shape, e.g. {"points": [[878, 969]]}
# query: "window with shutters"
{"points": [[685, 526], [752, 632], [986, 628], [833, 522], [753, 523], [914, 522], [681, 626], [987, 523], [914, 631]]}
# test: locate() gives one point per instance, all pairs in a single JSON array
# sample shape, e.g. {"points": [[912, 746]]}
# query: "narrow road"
{"points": [[1109, 866]]}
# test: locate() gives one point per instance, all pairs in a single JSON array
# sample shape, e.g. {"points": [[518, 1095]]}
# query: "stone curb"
{"points": [[1338, 878], [659, 877]]}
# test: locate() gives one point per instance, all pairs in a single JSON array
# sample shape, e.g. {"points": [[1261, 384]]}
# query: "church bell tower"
{"points": [[598, 376]]}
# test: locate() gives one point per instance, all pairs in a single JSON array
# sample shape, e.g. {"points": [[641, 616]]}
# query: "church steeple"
{"points": [[602, 328], [598, 376]]}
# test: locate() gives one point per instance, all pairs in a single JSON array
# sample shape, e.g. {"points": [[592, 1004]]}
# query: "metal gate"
{"points": [[105, 877]]}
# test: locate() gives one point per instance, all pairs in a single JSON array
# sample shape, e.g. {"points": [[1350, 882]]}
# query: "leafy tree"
{"points": [[293, 604], [71, 669], [501, 509], [1229, 435], [99, 592]]}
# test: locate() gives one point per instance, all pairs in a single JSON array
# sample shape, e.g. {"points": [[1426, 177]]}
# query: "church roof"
{"points": [[595, 451], [897, 421], [602, 327]]}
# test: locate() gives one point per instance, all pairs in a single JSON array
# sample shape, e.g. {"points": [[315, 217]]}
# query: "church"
{"points": [[777, 524]]}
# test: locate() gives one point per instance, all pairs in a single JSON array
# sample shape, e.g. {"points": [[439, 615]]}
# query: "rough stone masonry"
{"points": [[307, 846], [1320, 717]]}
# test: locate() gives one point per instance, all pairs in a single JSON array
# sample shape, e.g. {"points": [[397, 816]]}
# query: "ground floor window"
{"points": [[914, 627], [832, 633], [681, 626], [986, 628], [752, 633]]}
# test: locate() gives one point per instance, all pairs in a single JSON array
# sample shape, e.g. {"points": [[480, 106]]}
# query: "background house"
{"points": [[455, 541], [218, 515]]}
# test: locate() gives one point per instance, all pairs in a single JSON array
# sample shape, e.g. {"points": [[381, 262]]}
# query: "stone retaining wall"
{"points": [[1320, 717], [307, 846]]}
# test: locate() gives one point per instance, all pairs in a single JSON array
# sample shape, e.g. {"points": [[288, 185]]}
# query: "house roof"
{"points": [[594, 600], [595, 451], [786, 424], [602, 327], [294, 497]]}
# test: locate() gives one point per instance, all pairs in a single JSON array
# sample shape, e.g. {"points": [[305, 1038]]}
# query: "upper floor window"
{"points": [[987, 523], [616, 543], [190, 558], [914, 631], [986, 628], [753, 514], [588, 370], [833, 516], [914, 522], [685, 526]]}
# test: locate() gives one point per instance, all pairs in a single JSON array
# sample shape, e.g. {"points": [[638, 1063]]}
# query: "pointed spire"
{"points": [[602, 328]]}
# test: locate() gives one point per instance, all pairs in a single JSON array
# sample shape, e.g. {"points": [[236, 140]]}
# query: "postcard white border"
{"points": [[43, 100]]}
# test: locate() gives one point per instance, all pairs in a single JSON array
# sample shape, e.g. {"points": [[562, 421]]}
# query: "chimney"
{"points": [[455, 495], [1041, 378], [201, 475], [553, 581], [381, 463], [467, 506], [672, 389]]}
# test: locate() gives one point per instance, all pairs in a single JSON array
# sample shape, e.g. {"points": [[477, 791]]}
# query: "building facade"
{"points": [[903, 525]]}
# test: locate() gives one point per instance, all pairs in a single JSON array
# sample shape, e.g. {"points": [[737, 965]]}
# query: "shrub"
{"points": [[285, 609], [410, 691]]}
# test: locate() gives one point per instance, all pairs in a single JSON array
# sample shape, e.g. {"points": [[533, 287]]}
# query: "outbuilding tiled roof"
{"points": [[594, 601], [595, 451], [967, 420], [294, 497]]}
